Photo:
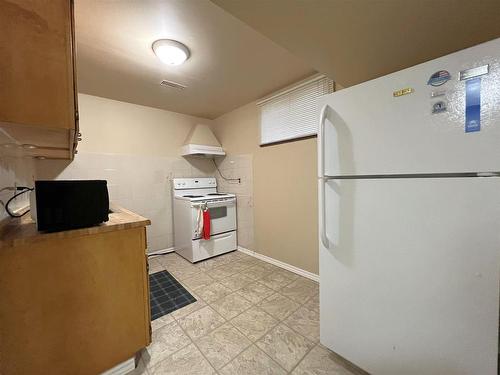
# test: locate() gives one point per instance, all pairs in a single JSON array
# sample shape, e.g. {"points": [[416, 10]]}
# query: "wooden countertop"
{"points": [[20, 231]]}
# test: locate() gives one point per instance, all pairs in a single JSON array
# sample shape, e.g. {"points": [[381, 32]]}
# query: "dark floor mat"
{"points": [[166, 294]]}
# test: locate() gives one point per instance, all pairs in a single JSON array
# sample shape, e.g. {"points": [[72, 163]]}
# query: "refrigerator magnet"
{"points": [[439, 107], [439, 78], [402, 92], [473, 105], [474, 72], [437, 93]]}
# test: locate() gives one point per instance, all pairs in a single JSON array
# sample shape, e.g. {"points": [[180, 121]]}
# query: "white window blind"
{"points": [[292, 113]]}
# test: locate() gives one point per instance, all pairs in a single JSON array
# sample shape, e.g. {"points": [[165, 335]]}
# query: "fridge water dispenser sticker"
{"points": [[473, 105]]}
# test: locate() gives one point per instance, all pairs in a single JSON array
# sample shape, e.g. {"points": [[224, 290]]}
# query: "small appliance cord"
{"points": [[23, 189]]}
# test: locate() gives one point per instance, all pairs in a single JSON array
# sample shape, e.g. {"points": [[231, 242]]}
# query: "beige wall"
{"points": [[285, 189], [239, 166], [136, 149], [117, 127]]}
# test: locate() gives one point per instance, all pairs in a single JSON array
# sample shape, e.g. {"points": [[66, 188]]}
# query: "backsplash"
{"points": [[240, 166], [142, 184], [14, 171]]}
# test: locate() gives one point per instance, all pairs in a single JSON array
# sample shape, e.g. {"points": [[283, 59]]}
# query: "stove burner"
{"points": [[193, 196], [216, 194]]}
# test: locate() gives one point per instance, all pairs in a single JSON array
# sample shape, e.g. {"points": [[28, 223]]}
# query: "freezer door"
{"points": [[369, 131], [409, 283]]}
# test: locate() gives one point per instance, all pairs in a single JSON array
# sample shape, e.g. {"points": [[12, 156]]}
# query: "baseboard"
{"points": [[278, 263], [122, 368], [161, 251]]}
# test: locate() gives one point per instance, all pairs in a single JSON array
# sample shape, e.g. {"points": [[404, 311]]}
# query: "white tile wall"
{"points": [[14, 171], [139, 183], [240, 166], [143, 185]]}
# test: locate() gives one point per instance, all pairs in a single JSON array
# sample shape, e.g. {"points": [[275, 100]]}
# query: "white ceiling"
{"points": [[230, 63], [353, 41]]}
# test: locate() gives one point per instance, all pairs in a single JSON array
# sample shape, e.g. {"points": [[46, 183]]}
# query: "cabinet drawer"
{"points": [[218, 244]]}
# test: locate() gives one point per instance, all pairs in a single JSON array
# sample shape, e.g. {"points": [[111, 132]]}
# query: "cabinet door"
{"points": [[36, 63], [76, 305]]}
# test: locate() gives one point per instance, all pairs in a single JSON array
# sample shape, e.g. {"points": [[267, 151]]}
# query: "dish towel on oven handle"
{"points": [[199, 222], [206, 224]]}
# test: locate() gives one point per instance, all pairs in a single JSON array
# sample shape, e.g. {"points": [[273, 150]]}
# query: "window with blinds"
{"points": [[293, 113]]}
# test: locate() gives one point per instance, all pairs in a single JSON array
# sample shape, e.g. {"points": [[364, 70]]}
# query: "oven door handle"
{"points": [[229, 202]]}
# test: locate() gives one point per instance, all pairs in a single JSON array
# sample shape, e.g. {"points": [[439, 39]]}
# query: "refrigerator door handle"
{"points": [[322, 179], [321, 140], [322, 219]]}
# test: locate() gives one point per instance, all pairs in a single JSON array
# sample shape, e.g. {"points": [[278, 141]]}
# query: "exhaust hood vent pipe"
{"points": [[201, 142]]}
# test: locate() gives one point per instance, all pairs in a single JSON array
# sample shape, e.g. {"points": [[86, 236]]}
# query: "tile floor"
{"points": [[250, 317]]}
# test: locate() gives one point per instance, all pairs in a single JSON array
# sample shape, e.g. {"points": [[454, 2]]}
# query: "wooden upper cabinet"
{"points": [[37, 73]]}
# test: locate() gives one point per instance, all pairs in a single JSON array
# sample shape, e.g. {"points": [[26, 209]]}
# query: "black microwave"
{"points": [[70, 204]]}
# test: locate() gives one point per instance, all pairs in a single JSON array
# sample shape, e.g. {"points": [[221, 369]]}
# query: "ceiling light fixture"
{"points": [[170, 52]]}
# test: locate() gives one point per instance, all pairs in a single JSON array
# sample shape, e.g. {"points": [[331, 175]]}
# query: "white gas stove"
{"points": [[192, 195]]}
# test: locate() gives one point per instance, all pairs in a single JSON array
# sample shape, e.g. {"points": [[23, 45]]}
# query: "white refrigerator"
{"points": [[409, 216]]}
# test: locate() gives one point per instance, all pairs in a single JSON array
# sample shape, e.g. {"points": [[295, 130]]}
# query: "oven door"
{"points": [[222, 217]]}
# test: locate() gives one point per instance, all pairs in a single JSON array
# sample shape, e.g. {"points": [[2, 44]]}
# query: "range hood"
{"points": [[201, 142]]}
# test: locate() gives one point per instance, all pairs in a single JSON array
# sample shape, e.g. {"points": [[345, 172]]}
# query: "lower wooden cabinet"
{"points": [[76, 305]]}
